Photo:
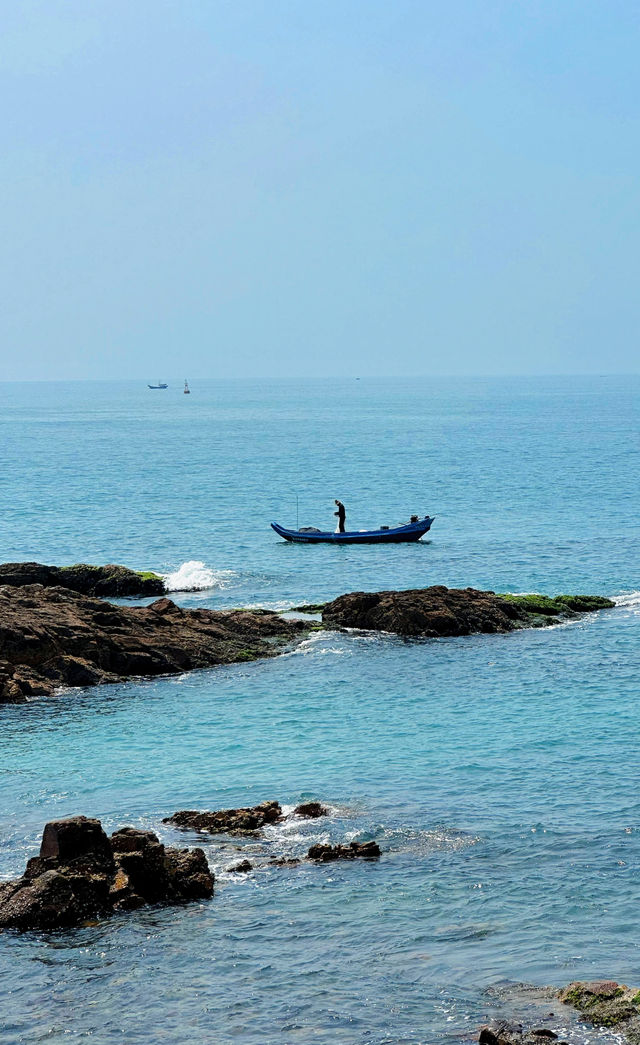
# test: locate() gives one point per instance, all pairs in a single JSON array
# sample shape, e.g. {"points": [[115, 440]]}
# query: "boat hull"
{"points": [[395, 535]]}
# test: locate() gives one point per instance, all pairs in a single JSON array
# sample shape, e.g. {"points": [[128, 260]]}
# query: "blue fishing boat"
{"points": [[161, 384], [411, 531]]}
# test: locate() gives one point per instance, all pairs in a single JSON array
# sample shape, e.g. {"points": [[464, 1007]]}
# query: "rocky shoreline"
{"points": [[54, 635], [601, 1003], [81, 873]]}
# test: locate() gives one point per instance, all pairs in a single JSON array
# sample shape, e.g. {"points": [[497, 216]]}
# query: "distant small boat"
{"points": [[411, 531], [161, 384], [187, 390]]}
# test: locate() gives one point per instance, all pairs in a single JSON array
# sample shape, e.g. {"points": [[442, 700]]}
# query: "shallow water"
{"points": [[499, 774]]}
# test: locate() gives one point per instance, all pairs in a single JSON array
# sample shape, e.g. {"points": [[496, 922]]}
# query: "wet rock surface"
{"points": [[52, 637], [354, 851], [102, 581], [439, 611], [606, 1003], [603, 1003], [80, 874], [311, 810], [227, 821], [242, 868], [504, 1033]]}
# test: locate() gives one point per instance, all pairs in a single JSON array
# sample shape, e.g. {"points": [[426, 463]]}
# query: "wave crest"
{"points": [[195, 576]]}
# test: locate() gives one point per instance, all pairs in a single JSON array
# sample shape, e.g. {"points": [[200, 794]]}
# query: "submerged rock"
{"points": [[439, 611], [327, 853], [81, 873], [227, 821], [103, 581], [52, 637]]}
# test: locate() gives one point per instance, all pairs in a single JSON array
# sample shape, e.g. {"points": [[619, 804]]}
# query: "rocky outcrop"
{"points": [[310, 810], [227, 821], [53, 637], [109, 581], [439, 611], [355, 850], [606, 1003], [603, 1003], [242, 868], [504, 1033], [82, 874]]}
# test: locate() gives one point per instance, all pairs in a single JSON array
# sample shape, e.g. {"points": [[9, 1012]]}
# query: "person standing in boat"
{"points": [[341, 513]]}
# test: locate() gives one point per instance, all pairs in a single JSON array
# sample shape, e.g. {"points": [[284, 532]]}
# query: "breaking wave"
{"points": [[195, 576], [631, 598]]}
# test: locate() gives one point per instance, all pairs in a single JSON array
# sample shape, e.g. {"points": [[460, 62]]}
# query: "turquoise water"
{"points": [[498, 773]]}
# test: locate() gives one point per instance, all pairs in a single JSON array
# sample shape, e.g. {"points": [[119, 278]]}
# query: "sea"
{"points": [[499, 774]]}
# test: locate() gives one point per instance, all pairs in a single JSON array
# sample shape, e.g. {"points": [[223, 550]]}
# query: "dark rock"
{"points": [[227, 821], [80, 874], [103, 581], [52, 637], [189, 874], [327, 853], [439, 611], [284, 861], [77, 839], [310, 810], [504, 1033], [140, 857], [52, 900], [241, 868]]}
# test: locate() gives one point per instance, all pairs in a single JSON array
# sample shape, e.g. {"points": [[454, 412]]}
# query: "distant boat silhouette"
{"points": [[187, 390], [161, 384]]}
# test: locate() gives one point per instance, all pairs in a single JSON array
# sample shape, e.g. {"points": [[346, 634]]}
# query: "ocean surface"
{"points": [[499, 774]]}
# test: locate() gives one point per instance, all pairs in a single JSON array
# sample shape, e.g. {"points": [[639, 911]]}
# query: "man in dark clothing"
{"points": [[341, 515]]}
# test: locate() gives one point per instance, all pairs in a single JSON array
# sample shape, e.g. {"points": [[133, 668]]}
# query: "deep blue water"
{"points": [[498, 773]]}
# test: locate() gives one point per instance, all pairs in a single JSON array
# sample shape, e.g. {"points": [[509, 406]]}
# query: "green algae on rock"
{"points": [[437, 611], [606, 1003], [100, 581], [536, 608]]}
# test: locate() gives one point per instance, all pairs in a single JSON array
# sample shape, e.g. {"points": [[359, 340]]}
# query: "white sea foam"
{"points": [[195, 576], [276, 606], [631, 598]]}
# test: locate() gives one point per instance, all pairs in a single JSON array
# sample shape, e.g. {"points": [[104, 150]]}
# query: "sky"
{"points": [[306, 188]]}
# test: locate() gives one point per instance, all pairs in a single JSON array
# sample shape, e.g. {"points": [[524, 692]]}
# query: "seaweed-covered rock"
{"points": [[606, 1003], [102, 581], [81, 874], [439, 611], [227, 821], [355, 850]]}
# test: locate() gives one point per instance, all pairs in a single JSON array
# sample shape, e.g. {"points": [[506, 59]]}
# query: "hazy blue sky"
{"points": [[319, 187]]}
